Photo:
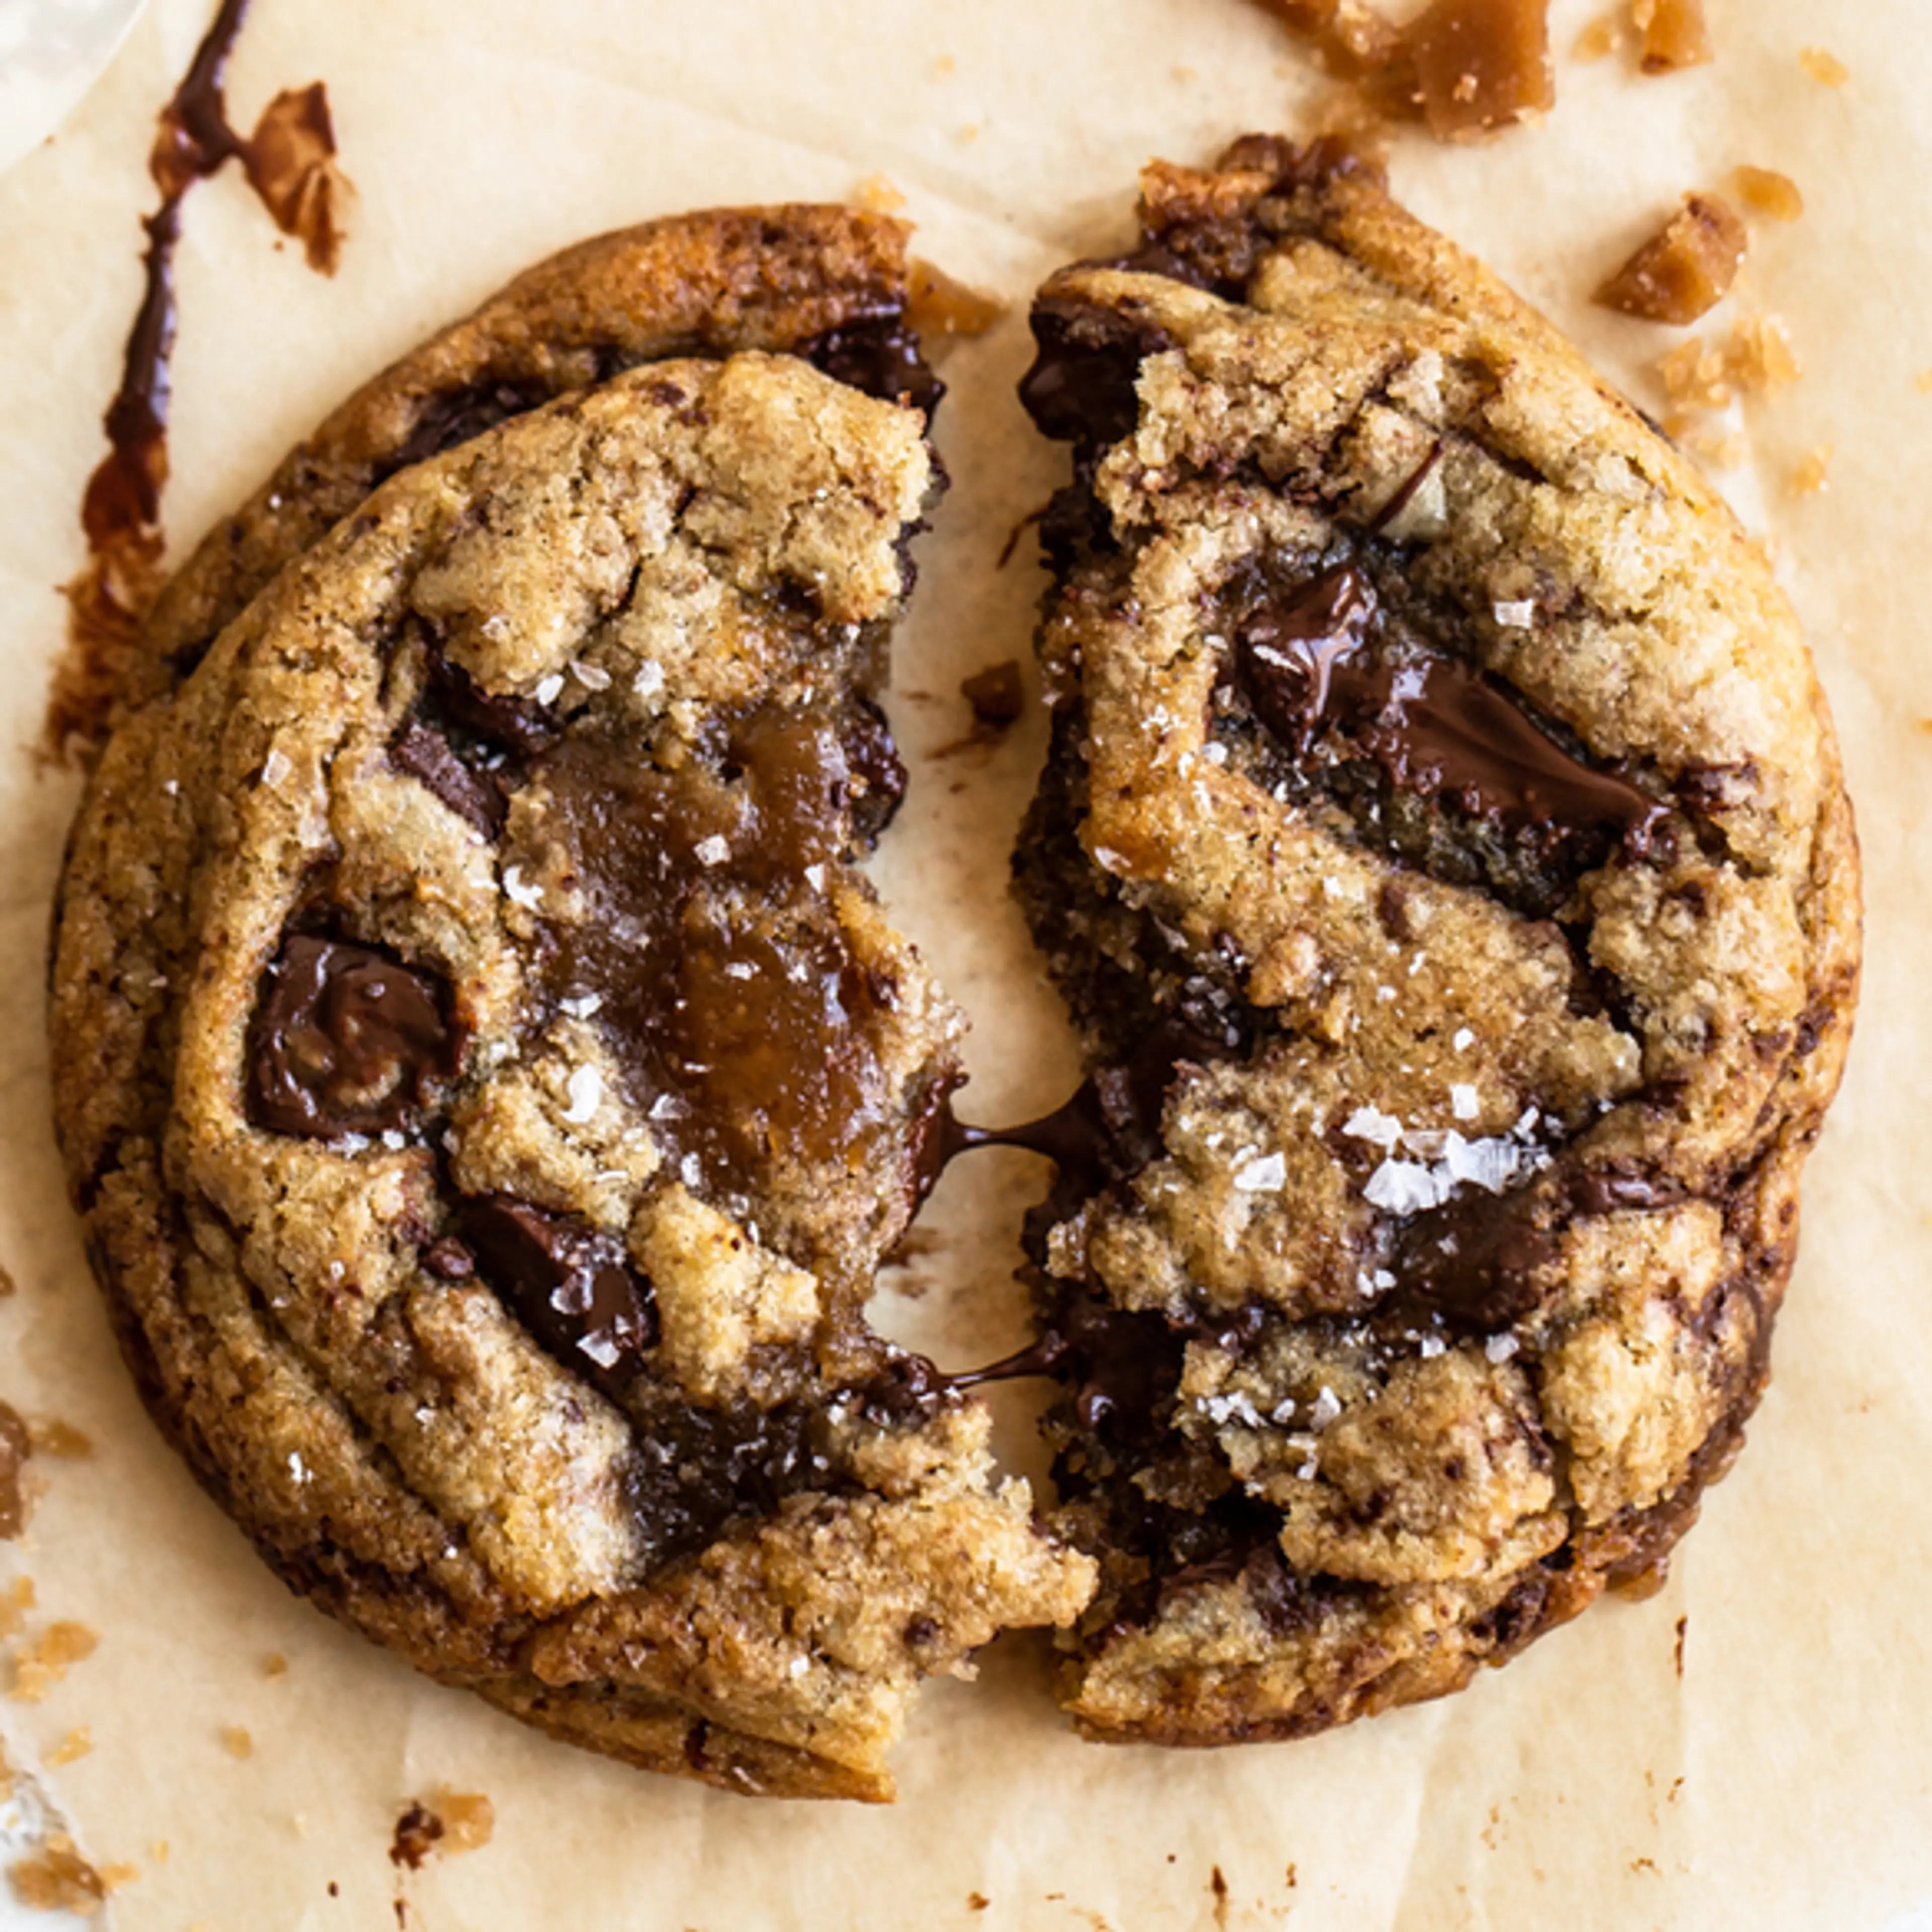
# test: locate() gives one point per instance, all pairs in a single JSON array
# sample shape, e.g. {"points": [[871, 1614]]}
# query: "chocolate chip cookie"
{"points": [[489, 1085], [827, 282], [1443, 852]]}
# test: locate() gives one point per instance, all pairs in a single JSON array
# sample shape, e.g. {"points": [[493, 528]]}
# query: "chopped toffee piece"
{"points": [[1685, 270], [1675, 35], [1481, 64], [1765, 191]]}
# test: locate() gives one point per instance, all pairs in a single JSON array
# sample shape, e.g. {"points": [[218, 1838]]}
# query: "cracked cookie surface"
{"points": [[1444, 853], [827, 282], [489, 1085]]}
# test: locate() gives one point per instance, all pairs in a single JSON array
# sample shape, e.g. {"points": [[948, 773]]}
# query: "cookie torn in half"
{"points": [[489, 1085], [1443, 852]]}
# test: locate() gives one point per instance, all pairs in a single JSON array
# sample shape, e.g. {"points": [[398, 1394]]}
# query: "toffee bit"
{"points": [[1481, 65], [38, 1667], [57, 1878], [1811, 473], [1765, 191], [237, 1740], [1602, 37], [1825, 67], [275, 1665], [938, 306], [1675, 35], [469, 1822], [1685, 270], [997, 694], [76, 1743]]}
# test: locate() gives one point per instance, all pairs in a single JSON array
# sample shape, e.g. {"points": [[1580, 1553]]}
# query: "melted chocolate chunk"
{"points": [[1288, 648], [880, 356], [741, 1020], [876, 773], [1081, 386], [346, 1040], [700, 1470], [570, 1285], [519, 725], [1107, 1129], [454, 416], [427, 754], [1438, 728]]}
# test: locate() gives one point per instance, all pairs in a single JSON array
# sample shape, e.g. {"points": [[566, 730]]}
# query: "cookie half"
{"points": [[489, 1085], [827, 283], [1443, 852]]}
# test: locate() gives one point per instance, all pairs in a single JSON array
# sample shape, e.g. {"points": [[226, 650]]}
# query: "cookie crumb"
{"points": [[1825, 67], [997, 694], [417, 1830], [76, 1743], [1685, 270], [37, 1668], [1811, 474], [236, 1741], [58, 1878], [1765, 191], [977, 1901]]}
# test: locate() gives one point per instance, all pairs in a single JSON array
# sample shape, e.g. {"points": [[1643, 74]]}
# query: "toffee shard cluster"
{"points": [[489, 1082], [1433, 751]]}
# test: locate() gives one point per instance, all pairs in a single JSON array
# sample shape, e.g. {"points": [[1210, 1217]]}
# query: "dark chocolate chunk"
{"points": [[515, 725], [876, 773], [1473, 1262], [1437, 728], [1081, 386], [570, 1285], [455, 416], [880, 356], [346, 1040], [476, 796]]}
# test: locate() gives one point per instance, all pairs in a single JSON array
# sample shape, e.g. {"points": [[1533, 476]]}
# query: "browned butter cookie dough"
{"points": [[827, 282], [1444, 853], [489, 1085]]}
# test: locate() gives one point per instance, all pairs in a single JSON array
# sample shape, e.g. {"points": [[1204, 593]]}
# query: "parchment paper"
{"points": [[1782, 1779]]}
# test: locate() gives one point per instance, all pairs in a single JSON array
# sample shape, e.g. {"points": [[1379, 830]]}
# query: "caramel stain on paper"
{"points": [[1677, 1653], [977, 1901], [1218, 1884], [290, 163]]}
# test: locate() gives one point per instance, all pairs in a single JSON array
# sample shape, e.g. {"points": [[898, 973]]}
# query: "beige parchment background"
{"points": [[1784, 1780]]}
